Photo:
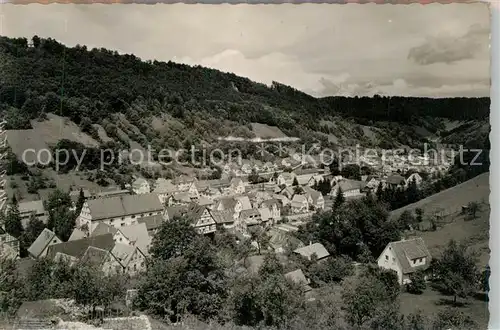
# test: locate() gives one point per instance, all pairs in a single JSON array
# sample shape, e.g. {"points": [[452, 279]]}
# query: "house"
{"points": [[316, 249], [73, 251], [305, 180], [372, 182], [265, 216], [77, 234], [300, 204], [350, 188], [164, 188], [237, 186], [298, 277], [274, 207], [130, 257], [395, 180], [202, 219], [179, 198], [405, 257], [141, 186], [229, 204], [152, 223], [247, 219], [103, 259], [136, 235], [283, 199], [315, 198], [41, 245], [221, 186], [118, 211], [414, 176], [9, 245], [36, 208], [285, 178], [245, 202], [223, 219], [288, 192], [281, 240], [184, 182]]}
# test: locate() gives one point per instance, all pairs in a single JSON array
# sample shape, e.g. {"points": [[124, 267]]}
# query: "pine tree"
{"points": [[380, 192], [339, 199], [13, 224], [80, 202]]}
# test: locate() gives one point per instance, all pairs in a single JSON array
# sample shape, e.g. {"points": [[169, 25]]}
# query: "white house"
{"points": [[300, 204], [141, 186], [274, 207], [237, 186], [350, 188], [405, 257], [118, 211], [414, 176]]}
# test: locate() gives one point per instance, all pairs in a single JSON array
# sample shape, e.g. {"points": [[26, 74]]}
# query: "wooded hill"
{"points": [[165, 103]]}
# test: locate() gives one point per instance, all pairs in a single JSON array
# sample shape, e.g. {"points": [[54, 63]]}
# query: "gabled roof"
{"points": [[103, 228], [395, 179], [41, 242], [222, 217], [347, 185], [228, 203], [176, 211], [297, 276], [249, 212], [152, 222], [299, 199], [96, 256], [114, 207], [213, 184], [31, 206], [265, 213], [315, 195], [410, 249], [123, 252], [245, 202], [182, 197], [77, 248], [77, 234], [138, 235], [163, 186], [316, 248], [270, 202]]}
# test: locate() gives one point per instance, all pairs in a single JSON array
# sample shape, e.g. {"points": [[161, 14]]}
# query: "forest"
{"points": [[91, 85]]}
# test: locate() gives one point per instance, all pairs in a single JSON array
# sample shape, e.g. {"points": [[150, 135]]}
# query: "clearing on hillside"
{"points": [[451, 200]]}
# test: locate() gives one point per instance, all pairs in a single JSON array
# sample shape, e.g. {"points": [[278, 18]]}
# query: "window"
{"points": [[133, 217], [386, 257], [414, 261], [122, 224]]}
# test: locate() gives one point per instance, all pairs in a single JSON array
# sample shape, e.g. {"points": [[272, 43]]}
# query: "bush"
{"points": [[418, 284]]}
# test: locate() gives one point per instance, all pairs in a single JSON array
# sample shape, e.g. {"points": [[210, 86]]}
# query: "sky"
{"points": [[322, 49]]}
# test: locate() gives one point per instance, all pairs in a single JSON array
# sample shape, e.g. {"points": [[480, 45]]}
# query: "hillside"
{"points": [[451, 200], [170, 104]]}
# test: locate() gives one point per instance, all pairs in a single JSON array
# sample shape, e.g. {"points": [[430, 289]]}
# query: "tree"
{"points": [[486, 278], [295, 182], [80, 202], [457, 271], [406, 220], [339, 198], [472, 209], [270, 266], [417, 284], [12, 287], [351, 171], [254, 177], [420, 213], [191, 281], [416, 321], [173, 238], [33, 229], [380, 192], [388, 317], [362, 298], [453, 319], [332, 270], [12, 220], [260, 236]]}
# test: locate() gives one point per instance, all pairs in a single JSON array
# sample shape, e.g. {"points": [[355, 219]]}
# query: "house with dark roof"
{"points": [[73, 251], [40, 246], [395, 180], [223, 219], [350, 188], [202, 219], [152, 222], [405, 257], [118, 211], [103, 259]]}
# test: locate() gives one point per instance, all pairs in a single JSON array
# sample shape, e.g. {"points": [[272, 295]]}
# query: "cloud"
{"points": [[450, 49]]}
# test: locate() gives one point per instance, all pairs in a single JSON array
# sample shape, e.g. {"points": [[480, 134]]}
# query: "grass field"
{"points": [[452, 199]]}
